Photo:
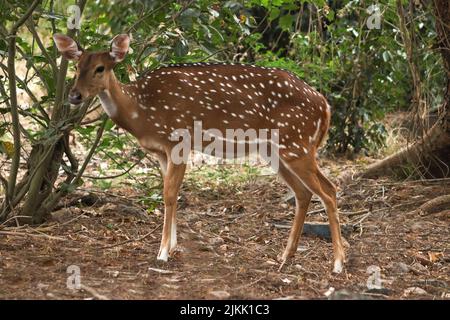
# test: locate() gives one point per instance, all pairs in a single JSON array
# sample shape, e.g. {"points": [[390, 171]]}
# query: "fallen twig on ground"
{"points": [[39, 235], [132, 240], [435, 205], [94, 292]]}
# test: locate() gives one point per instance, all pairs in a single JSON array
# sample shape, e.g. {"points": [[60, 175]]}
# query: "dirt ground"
{"points": [[229, 239]]}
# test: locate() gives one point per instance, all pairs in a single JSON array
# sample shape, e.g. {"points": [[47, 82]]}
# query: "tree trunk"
{"points": [[430, 154]]}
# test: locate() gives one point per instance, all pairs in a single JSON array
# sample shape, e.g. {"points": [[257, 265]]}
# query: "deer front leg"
{"points": [[172, 181], [162, 159]]}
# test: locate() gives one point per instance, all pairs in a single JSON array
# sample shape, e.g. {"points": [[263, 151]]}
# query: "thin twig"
{"points": [[354, 213], [39, 235], [115, 175], [136, 23], [248, 284], [13, 218], [91, 152], [94, 292], [13, 99], [51, 61], [132, 240]]}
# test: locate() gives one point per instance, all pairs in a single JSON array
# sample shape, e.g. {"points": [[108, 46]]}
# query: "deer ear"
{"points": [[119, 47], [67, 46]]}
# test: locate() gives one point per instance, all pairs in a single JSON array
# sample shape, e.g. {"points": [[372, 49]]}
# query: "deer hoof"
{"points": [[163, 255], [337, 267]]}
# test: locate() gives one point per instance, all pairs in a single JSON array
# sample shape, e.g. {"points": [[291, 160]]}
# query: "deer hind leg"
{"points": [[302, 200], [335, 227], [172, 181], [308, 172]]}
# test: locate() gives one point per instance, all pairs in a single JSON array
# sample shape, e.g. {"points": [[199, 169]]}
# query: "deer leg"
{"points": [[302, 200], [309, 174], [172, 182], [162, 159], [333, 217]]}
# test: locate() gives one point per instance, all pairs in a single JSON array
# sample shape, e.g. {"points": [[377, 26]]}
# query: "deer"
{"points": [[223, 96]]}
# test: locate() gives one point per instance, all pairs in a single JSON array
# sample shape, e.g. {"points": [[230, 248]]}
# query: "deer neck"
{"points": [[120, 107]]}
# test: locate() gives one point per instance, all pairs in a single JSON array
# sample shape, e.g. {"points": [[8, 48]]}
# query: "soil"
{"points": [[229, 239]]}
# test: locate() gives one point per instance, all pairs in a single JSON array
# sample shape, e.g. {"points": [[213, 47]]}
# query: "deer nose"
{"points": [[75, 97]]}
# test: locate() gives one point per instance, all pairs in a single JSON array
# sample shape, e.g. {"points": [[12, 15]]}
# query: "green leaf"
{"points": [[108, 126], [331, 15], [286, 22], [186, 19], [275, 13]]}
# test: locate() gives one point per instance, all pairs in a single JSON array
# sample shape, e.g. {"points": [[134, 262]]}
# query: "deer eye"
{"points": [[100, 69]]}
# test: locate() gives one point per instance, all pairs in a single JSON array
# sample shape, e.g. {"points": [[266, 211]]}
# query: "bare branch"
{"points": [[44, 51], [91, 152], [13, 98]]}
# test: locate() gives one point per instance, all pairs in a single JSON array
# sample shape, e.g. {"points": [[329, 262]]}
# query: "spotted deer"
{"points": [[222, 96]]}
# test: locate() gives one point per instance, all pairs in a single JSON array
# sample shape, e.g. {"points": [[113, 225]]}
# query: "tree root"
{"points": [[435, 205]]}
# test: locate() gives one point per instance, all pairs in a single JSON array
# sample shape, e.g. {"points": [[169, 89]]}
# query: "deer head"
{"points": [[94, 69]]}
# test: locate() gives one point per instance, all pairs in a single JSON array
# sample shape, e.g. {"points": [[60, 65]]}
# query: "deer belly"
{"points": [[233, 148]]}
